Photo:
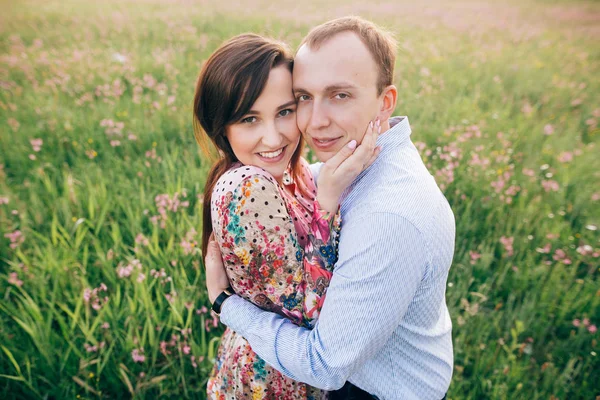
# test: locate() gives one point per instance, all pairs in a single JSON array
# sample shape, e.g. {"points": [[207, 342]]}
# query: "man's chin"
{"points": [[324, 156]]}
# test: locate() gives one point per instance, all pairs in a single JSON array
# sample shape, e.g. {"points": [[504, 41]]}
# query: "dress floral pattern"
{"points": [[279, 249]]}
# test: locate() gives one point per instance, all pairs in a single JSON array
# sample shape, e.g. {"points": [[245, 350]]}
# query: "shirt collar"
{"points": [[394, 137], [398, 133]]}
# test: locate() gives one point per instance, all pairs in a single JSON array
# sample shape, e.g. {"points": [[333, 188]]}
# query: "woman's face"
{"points": [[267, 135]]}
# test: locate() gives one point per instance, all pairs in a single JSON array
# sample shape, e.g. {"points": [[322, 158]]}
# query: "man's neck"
{"points": [[385, 126]]}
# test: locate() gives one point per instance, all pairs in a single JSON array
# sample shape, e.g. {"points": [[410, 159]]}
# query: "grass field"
{"points": [[101, 285]]}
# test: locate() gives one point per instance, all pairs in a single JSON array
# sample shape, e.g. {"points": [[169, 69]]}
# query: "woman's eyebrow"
{"points": [[288, 104]]}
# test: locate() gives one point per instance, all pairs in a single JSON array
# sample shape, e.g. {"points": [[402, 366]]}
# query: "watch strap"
{"points": [[216, 306]]}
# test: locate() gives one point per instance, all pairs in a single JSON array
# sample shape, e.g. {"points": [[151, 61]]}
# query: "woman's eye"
{"points": [[286, 112], [248, 120]]}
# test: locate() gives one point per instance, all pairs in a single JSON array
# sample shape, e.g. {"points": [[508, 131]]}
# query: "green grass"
{"points": [[480, 82]]}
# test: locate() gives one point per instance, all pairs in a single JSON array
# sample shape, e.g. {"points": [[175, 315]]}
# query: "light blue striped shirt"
{"points": [[384, 326]]}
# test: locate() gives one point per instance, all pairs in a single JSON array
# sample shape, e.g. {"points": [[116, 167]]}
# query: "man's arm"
{"points": [[383, 258]]}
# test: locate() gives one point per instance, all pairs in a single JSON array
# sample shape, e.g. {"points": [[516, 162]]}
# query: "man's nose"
{"points": [[319, 117]]}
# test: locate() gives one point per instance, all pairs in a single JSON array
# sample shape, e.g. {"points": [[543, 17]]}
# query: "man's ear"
{"points": [[389, 98]]}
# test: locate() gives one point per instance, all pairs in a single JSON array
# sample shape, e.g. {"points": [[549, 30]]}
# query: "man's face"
{"points": [[336, 90]]}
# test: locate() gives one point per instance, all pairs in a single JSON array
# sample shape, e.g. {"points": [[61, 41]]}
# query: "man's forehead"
{"points": [[342, 58]]}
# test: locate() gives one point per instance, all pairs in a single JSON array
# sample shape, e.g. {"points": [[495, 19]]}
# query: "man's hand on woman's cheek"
{"points": [[216, 277]]}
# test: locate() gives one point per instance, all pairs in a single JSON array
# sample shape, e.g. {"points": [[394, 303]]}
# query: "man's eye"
{"points": [[248, 120], [286, 112], [341, 96], [303, 97]]}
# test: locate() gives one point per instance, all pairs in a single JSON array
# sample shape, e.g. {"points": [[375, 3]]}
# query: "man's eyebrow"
{"points": [[299, 90], [330, 88], [340, 86]]}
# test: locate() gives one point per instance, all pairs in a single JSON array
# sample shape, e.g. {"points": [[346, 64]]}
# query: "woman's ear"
{"points": [[389, 98]]}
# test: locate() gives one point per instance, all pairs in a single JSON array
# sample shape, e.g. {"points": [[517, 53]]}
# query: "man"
{"points": [[384, 330]]}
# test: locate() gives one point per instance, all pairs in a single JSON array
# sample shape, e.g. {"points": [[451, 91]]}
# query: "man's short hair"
{"points": [[381, 43]]}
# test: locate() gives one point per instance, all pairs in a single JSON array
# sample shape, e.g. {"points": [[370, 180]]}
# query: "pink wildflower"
{"points": [[14, 279], [163, 348], [550, 185], [138, 356], [93, 296], [528, 172], [89, 348], [36, 144], [474, 257], [585, 250], [560, 255], [14, 124], [16, 238], [565, 157], [141, 239], [507, 242], [544, 250]]}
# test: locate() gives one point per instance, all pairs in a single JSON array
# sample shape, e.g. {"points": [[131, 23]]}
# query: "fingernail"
{"points": [[352, 144], [378, 122], [379, 129], [371, 124]]}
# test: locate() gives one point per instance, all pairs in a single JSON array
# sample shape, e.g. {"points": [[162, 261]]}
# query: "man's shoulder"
{"points": [[415, 198]]}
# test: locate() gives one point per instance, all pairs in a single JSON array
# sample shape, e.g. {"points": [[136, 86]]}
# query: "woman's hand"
{"points": [[341, 169]]}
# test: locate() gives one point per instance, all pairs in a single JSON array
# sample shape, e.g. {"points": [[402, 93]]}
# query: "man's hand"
{"points": [[340, 170], [216, 277]]}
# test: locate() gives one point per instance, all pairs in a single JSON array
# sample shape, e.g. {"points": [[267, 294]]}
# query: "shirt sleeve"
{"points": [[260, 250], [372, 286]]}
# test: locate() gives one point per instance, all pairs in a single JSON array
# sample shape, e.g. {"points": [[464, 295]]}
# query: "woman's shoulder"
{"points": [[240, 176]]}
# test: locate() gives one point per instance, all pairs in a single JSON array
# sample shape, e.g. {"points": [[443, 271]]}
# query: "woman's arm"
{"points": [[259, 244]]}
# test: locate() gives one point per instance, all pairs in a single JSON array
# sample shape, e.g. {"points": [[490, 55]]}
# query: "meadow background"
{"points": [[101, 284]]}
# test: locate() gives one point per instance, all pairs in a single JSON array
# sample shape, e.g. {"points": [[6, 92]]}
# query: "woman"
{"points": [[277, 236]]}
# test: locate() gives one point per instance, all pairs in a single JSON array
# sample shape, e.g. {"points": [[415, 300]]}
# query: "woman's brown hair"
{"points": [[230, 81]]}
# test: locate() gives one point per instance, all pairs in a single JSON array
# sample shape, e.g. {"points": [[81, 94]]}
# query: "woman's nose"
{"points": [[272, 137]]}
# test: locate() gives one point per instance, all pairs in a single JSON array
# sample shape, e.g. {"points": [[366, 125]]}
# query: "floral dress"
{"points": [[279, 249]]}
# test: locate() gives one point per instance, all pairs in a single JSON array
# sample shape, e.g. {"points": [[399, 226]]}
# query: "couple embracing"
{"points": [[330, 277]]}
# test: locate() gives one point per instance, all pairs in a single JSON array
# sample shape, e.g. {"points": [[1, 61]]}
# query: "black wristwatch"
{"points": [[216, 307]]}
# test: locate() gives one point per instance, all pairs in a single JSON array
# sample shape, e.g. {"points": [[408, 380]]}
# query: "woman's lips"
{"points": [[273, 160]]}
